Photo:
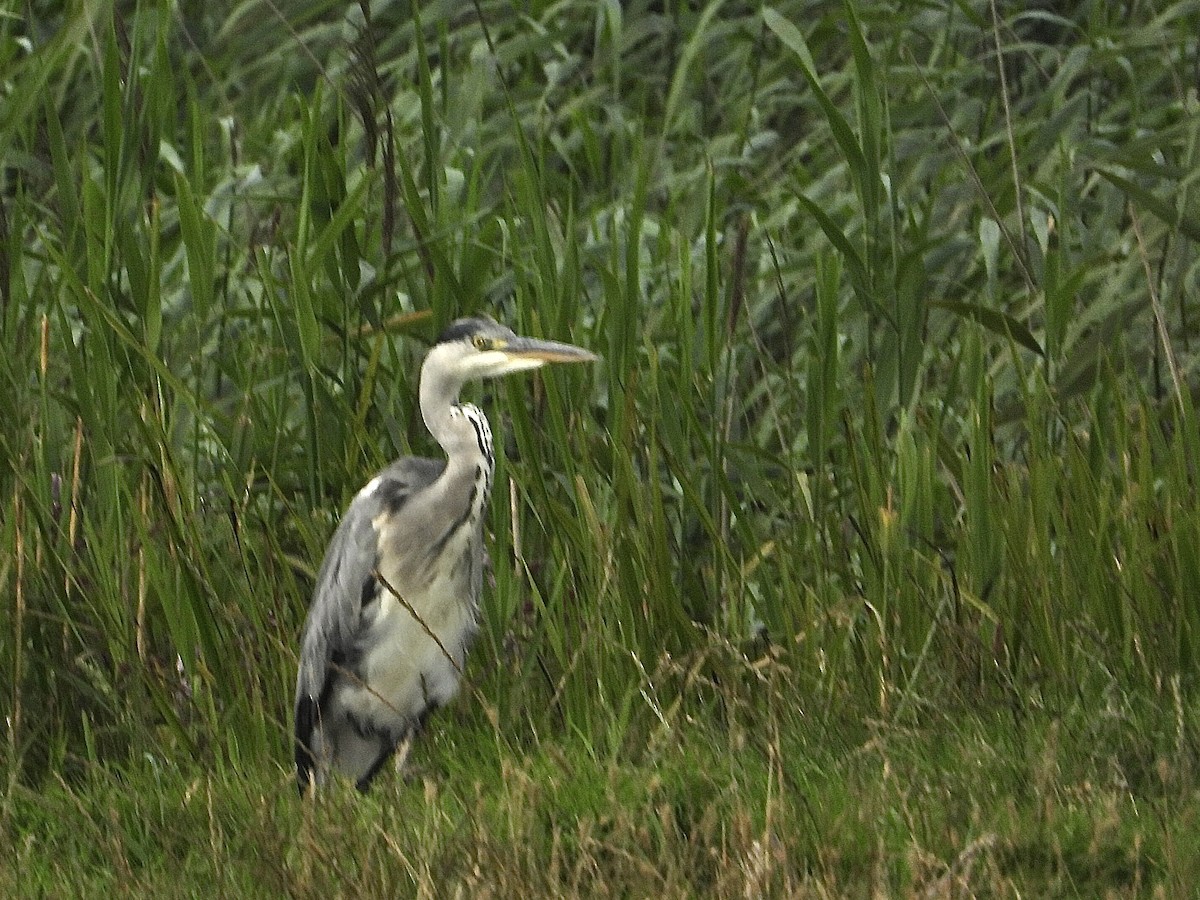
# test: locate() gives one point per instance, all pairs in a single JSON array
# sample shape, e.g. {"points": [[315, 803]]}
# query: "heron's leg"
{"points": [[387, 748], [405, 744]]}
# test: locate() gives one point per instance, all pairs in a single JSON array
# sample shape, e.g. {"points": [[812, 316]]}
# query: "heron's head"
{"points": [[483, 348]]}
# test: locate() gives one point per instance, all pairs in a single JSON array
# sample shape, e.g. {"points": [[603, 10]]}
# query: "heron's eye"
{"points": [[481, 342]]}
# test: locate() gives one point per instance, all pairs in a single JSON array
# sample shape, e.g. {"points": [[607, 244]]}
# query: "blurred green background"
{"points": [[889, 466]]}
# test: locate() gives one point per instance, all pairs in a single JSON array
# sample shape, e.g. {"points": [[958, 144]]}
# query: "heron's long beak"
{"points": [[547, 351]]}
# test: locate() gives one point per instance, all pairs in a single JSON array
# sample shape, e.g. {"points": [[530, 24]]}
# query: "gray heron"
{"points": [[396, 601]]}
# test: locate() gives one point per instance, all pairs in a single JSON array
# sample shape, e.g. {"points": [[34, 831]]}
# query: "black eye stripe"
{"points": [[462, 328]]}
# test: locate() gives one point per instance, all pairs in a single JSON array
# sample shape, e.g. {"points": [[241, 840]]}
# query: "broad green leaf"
{"points": [[1188, 224], [995, 321]]}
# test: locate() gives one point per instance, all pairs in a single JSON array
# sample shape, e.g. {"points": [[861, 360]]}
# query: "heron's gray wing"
{"points": [[344, 583]]}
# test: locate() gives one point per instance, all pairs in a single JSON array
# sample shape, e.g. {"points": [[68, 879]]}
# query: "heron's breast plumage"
{"points": [[412, 647]]}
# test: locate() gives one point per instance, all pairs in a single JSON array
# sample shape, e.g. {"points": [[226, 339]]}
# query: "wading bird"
{"points": [[397, 596]]}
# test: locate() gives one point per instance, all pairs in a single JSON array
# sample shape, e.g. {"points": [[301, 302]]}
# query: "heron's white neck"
{"points": [[462, 430]]}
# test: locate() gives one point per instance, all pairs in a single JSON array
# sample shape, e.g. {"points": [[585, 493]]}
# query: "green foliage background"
{"points": [[894, 431]]}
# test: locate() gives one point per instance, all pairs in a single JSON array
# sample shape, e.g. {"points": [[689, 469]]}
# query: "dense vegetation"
{"points": [[864, 563]]}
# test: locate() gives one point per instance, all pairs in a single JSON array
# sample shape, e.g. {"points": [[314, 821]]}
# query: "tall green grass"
{"points": [[896, 305]]}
